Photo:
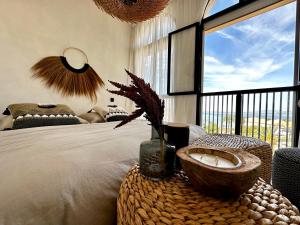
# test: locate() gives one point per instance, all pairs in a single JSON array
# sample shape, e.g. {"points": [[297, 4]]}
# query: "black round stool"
{"points": [[286, 173]]}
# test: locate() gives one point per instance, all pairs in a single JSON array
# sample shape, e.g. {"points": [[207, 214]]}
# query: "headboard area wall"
{"points": [[31, 30]]}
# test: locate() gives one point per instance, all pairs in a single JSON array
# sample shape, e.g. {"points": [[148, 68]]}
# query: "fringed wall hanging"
{"points": [[56, 72], [133, 11]]}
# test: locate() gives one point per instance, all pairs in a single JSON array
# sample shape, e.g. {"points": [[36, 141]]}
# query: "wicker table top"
{"points": [[175, 201]]}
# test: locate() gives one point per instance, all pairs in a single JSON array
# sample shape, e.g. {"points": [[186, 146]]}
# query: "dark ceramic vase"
{"points": [[157, 158]]}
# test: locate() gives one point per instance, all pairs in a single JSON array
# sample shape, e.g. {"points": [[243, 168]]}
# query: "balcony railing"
{"points": [[269, 114]]}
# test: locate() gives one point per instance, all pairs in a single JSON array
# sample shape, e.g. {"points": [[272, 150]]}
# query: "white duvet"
{"points": [[67, 175]]}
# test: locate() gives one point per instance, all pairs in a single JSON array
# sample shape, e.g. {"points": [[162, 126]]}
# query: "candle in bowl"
{"points": [[213, 160], [220, 172]]}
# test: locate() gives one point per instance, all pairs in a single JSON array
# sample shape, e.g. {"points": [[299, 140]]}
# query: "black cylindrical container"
{"points": [[178, 135]]}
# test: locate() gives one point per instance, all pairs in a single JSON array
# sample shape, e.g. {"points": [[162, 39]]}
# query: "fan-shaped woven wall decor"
{"points": [[55, 71], [132, 10]]}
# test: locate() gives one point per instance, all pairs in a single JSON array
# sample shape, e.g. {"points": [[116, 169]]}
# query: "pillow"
{"points": [[115, 114], [6, 112], [6, 122], [92, 117], [23, 109], [29, 115], [30, 121], [102, 112], [82, 121]]}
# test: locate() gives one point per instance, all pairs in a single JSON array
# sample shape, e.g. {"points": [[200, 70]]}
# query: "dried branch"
{"points": [[146, 100]]}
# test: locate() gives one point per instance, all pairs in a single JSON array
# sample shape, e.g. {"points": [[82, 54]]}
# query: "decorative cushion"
{"points": [[115, 114], [36, 120], [82, 121], [6, 122], [92, 117], [29, 115], [101, 111], [23, 109]]}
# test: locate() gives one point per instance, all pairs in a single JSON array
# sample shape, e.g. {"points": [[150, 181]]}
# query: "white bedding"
{"points": [[65, 175]]}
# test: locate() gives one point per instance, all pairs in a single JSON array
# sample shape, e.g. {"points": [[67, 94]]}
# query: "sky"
{"points": [[256, 53]]}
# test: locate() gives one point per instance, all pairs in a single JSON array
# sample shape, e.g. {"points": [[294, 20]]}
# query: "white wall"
{"points": [[33, 29]]}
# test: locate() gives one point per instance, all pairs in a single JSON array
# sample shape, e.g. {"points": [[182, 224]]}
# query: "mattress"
{"points": [[66, 175]]}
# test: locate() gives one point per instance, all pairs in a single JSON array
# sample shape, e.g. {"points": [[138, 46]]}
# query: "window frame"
{"points": [[243, 10], [198, 58], [248, 5]]}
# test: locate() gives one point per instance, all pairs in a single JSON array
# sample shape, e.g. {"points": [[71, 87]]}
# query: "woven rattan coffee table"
{"points": [[175, 201]]}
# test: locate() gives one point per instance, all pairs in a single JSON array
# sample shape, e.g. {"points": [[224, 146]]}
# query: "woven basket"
{"points": [[254, 146], [175, 201]]}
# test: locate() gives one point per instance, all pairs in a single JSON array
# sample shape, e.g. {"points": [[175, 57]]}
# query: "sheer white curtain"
{"points": [[149, 54]]}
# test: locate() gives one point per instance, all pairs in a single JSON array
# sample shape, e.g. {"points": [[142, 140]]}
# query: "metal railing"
{"points": [[270, 114]]}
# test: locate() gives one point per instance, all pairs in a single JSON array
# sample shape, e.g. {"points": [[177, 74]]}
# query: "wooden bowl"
{"points": [[220, 182]]}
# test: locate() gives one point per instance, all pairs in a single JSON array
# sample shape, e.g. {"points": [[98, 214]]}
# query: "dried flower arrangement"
{"points": [[146, 100]]}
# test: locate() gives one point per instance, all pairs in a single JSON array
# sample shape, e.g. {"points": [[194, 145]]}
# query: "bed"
{"points": [[66, 175]]}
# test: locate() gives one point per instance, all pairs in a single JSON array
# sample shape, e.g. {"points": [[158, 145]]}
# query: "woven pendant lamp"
{"points": [[56, 72], [132, 11]]}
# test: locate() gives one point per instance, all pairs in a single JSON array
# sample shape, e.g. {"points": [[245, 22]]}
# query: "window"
{"points": [[221, 5], [254, 44], [255, 53]]}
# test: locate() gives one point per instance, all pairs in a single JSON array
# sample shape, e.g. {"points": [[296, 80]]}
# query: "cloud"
{"points": [[226, 35], [220, 76]]}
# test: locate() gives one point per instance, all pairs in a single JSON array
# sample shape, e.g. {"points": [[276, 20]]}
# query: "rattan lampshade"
{"points": [[132, 11]]}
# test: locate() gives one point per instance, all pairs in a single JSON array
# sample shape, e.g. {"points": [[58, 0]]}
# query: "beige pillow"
{"points": [[92, 117], [6, 122], [82, 121], [101, 111]]}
